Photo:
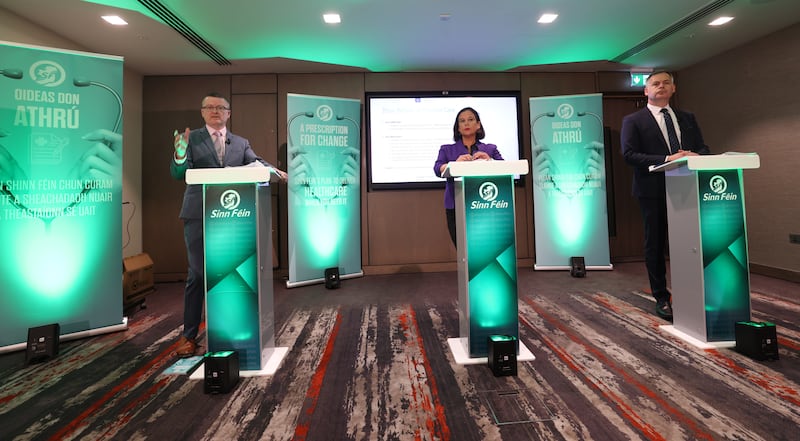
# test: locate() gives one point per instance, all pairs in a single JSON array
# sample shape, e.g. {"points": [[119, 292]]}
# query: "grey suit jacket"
{"points": [[200, 153]]}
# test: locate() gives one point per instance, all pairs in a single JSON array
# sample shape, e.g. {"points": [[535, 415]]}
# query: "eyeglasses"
{"points": [[217, 108]]}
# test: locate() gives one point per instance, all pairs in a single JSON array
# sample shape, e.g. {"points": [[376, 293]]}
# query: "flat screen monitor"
{"points": [[405, 131]]}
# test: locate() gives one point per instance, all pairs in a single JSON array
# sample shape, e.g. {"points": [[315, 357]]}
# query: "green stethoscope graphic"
{"points": [[550, 179], [47, 216], [324, 200]]}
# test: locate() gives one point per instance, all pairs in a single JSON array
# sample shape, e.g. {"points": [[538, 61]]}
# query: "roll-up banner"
{"points": [[569, 192], [324, 205], [60, 191]]}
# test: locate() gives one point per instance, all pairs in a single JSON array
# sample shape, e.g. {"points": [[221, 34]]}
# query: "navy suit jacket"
{"points": [[200, 153], [644, 145]]}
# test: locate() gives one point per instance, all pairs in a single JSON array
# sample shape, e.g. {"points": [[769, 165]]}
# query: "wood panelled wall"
{"points": [[402, 230]]}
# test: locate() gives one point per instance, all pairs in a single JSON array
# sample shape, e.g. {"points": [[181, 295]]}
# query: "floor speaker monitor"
{"points": [[578, 267], [757, 340], [332, 280], [221, 372], [503, 355], [42, 343]]}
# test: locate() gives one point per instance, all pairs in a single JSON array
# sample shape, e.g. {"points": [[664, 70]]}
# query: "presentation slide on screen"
{"points": [[405, 133]]}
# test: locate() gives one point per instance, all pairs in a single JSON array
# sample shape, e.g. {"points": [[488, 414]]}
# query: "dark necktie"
{"points": [[674, 144]]}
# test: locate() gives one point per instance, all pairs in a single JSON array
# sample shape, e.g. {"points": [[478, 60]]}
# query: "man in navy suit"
{"points": [[645, 142], [199, 148]]}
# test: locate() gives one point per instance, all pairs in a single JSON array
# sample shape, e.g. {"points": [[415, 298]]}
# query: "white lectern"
{"points": [[487, 256], [237, 233], [708, 246]]}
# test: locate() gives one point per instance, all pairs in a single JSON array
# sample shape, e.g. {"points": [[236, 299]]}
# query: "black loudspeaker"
{"points": [[332, 278], [221, 371], [578, 267], [42, 343], [757, 340], [503, 355]]}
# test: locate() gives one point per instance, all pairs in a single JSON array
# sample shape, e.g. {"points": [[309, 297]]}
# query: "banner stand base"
{"points": [[608, 267], [270, 367], [73, 336], [290, 284], [670, 329], [462, 357]]}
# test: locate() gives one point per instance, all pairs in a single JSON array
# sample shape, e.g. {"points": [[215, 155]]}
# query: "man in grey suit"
{"points": [[650, 137], [212, 146]]}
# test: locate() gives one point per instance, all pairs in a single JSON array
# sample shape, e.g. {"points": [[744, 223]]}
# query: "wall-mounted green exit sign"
{"points": [[638, 79]]}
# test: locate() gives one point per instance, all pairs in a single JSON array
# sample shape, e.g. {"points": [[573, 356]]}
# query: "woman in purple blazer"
{"points": [[467, 133]]}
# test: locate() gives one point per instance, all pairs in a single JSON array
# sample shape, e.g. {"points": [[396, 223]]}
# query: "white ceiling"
{"points": [[284, 36]]}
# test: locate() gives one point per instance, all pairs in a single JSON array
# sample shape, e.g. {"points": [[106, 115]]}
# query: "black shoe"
{"points": [[664, 309]]}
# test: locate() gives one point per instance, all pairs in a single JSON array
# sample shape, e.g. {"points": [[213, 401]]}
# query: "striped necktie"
{"points": [[219, 146]]}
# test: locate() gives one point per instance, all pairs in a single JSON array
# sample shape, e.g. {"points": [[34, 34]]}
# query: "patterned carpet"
{"points": [[370, 361]]}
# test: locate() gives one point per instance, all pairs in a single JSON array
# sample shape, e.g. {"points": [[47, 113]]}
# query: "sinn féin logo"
{"points": [[565, 111], [47, 73], [488, 191], [324, 112], [718, 184], [230, 199]]}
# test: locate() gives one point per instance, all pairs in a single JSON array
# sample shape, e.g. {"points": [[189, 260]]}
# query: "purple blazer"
{"points": [[451, 152]]}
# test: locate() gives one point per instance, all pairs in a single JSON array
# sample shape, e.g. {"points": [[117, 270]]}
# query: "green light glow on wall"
{"points": [[570, 217], [325, 232], [49, 259]]}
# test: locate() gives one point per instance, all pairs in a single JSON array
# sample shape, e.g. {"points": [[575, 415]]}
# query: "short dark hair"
{"points": [[215, 95], [671, 77], [480, 134]]}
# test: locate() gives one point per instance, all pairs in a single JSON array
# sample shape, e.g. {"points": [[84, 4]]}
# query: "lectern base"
{"points": [[699, 343], [270, 367], [461, 355]]}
